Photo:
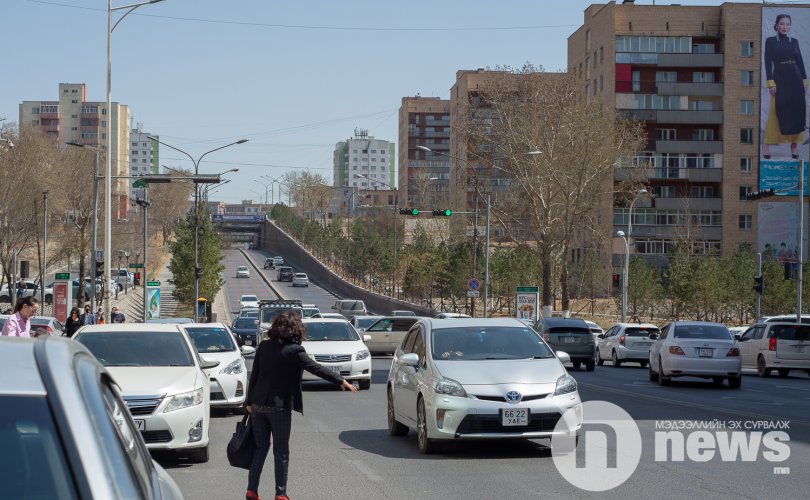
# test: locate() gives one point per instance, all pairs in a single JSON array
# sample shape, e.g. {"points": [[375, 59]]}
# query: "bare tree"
{"points": [[168, 202]]}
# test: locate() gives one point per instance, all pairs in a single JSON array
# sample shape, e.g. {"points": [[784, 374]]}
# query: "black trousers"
{"points": [[277, 422]]}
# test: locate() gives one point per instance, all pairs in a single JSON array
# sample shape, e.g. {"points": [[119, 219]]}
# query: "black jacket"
{"points": [[276, 376], [71, 326]]}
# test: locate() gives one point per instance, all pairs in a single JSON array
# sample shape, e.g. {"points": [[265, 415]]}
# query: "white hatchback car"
{"points": [[695, 349], [242, 272], [479, 379], [300, 279], [776, 346], [229, 380], [161, 379], [626, 342], [248, 301], [336, 345]]}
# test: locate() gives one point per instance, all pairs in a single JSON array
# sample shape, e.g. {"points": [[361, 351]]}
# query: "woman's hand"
{"points": [[772, 90], [347, 386], [248, 408]]}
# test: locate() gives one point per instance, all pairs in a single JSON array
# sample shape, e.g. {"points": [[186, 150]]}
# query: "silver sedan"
{"points": [[478, 379]]}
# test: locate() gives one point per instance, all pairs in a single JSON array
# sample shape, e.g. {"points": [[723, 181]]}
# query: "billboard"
{"points": [[777, 231], [153, 299], [527, 299]]}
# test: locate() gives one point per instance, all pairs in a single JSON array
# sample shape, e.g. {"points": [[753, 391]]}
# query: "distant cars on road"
{"points": [[285, 273], [350, 308], [242, 272], [248, 301], [300, 279]]}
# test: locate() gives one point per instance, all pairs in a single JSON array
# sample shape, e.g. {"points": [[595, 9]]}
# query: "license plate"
{"points": [[335, 369], [798, 348], [140, 424], [705, 353], [641, 344], [515, 417], [248, 342], [569, 340]]}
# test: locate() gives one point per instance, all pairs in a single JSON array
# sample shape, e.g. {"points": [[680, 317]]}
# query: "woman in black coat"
{"points": [[73, 322], [274, 391]]}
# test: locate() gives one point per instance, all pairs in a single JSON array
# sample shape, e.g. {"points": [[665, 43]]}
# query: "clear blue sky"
{"points": [[293, 77]]}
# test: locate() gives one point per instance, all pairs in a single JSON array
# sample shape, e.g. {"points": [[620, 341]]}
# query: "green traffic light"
{"points": [[448, 213], [414, 211]]}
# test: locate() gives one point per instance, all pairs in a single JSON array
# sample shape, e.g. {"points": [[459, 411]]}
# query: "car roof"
{"points": [[19, 373], [636, 325], [691, 323], [131, 327], [437, 323], [563, 321], [204, 325], [170, 321], [324, 320]]}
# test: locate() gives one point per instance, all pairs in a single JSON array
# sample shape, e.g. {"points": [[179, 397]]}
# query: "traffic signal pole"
{"points": [[758, 304]]}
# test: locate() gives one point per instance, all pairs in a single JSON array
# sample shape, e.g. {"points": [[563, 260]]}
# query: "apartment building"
{"points": [[72, 118], [144, 156], [424, 176], [364, 162], [692, 75]]}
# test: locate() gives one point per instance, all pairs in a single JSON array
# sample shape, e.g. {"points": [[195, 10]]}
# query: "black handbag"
{"points": [[240, 447]]}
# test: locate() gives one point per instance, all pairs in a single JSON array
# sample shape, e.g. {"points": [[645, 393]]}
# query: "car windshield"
{"points": [[496, 342], [640, 332], [245, 324], [241, 268], [790, 332], [363, 322], [35, 465], [300, 275], [138, 348], [330, 331], [211, 339], [249, 298], [702, 332]]}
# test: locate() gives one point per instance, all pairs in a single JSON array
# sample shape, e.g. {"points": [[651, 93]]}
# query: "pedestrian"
{"points": [[117, 316], [19, 323], [99, 317], [274, 391], [73, 323], [87, 317]]}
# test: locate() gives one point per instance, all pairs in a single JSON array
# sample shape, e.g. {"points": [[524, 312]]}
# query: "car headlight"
{"points": [[565, 384], [233, 368], [184, 400], [362, 354], [449, 386]]}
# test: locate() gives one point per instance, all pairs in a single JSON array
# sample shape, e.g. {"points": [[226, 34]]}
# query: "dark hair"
{"points": [[75, 311], [779, 18], [287, 328], [25, 301]]}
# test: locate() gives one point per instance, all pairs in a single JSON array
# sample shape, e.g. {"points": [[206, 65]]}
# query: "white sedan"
{"points": [[300, 279], [229, 380], [242, 272], [695, 349], [248, 301], [161, 379], [480, 379], [336, 345]]}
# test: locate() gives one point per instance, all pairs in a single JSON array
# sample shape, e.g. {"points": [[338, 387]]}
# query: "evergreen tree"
{"points": [[182, 261]]}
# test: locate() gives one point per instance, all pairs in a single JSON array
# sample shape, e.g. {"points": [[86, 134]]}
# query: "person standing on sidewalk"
{"points": [[87, 318], [274, 391], [73, 323], [19, 323], [117, 316], [99, 317]]}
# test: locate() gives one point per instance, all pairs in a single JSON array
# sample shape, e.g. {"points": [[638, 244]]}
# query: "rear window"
{"points": [[569, 330], [701, 332], [640, 332], [790, 332]]}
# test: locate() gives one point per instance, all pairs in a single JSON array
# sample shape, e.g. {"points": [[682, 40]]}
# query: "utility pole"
{"points": [[144, 203], [758, 304]]}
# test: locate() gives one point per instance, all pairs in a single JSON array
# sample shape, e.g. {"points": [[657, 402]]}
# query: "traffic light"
{"points": [[616, 281], [759, 286], [137, 278], [409, 211], [442, 213]]}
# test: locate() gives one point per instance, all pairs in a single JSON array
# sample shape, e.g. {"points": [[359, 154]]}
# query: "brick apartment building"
{"points": [[424, 177]]}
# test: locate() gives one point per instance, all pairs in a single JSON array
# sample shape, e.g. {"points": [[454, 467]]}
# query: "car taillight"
{"points": [[771, 344], [621, 340], [733, 352], [677, 351], [50, 331]]}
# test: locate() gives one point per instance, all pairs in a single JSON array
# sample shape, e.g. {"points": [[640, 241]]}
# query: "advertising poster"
{"points": [[60, 300], [153, 299], [777, 231], [526, 302]]}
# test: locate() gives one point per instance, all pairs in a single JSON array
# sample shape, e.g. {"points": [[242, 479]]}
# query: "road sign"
{"points": [[153, 283], [473, 285], [140, 184], [62, 276], [528, 289], [136, 266], [472, 294], [99, 255]]}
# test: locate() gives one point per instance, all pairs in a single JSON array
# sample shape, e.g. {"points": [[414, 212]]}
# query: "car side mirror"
{"points": [[653, 336], [563, 356], [246, 349], [600, 336], [366, 338], [206, 364], [738, 337], [410, 359]]}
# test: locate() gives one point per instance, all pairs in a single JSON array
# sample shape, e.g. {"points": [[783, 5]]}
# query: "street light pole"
{"points": [[144, 203], [44, 246], [486, 261], [625, 273]]}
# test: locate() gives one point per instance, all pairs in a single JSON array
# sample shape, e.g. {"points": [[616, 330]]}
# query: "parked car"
{"points": [[248, 301], [783, 347], [310, 310], [46, 325], [162, 381], [124, 278], [478, 379], [228, 381], [784, 317], [300, 279], [695, 349], [64, 428], [74, 284], [596, 330], [397, 312], [626, 342], [29, 288], [449, 315], [269, 263], [285, 273], [387, 333], [360, 323], [336, 345], [350, 308], [242, 272], [245, 330], [572, 336]]}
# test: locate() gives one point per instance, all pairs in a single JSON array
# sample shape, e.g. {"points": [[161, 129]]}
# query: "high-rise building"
{"points": [[424, 177], [72, 118], [144, 155], [691, 75], [363, 155]]}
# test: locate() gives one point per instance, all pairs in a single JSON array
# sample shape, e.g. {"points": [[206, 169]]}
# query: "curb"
{"points": [[264, 278]]}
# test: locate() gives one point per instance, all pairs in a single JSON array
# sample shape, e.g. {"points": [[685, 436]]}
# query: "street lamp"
{"points": [[396, 206], [197, 270], [144, 203], [641, 192], [625, 273], [44, 246]]}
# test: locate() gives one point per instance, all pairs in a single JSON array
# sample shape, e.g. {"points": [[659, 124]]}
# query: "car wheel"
{"points": [[662, 380], [364, 384], [576, 365], [735, 382], [394, 428], [616, 362], [762, 370], [199, 455], [643, 363], [426, 445], [589, 366], [651, 373], [783, 372], [599, 360]]}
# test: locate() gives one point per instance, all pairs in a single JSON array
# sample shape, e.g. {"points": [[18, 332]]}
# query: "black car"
{"points": [[245, 330], [285, 273]]}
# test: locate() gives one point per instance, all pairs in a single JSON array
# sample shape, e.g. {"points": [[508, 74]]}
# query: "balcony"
{"points": [[698, 147], [691, 89], [691, 204], [691, 60], [688, 116], [688, 174]]}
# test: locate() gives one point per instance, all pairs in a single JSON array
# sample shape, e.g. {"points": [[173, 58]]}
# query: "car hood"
{"points": [[514, 372], [154, 380], [333, 347]]}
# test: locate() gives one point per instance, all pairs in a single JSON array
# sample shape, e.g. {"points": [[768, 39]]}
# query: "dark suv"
{"points": [[285, 273], [572, 336]]}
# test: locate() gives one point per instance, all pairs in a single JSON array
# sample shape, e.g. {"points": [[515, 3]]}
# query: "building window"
{"points": [[601, 55], [746, 222], [134, 144], [746, 163], [73, 91], [648, 101], [702, 106], [703, 134], [747, 49], [703, 48], [664, 191], [666, 76], [665, 134], [747, 77], [744, 191], [746, 107], [135, 152], [746, 136], [702, 77]]}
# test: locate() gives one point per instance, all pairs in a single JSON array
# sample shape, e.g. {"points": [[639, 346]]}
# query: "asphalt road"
{"points": [[340, 447]]}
